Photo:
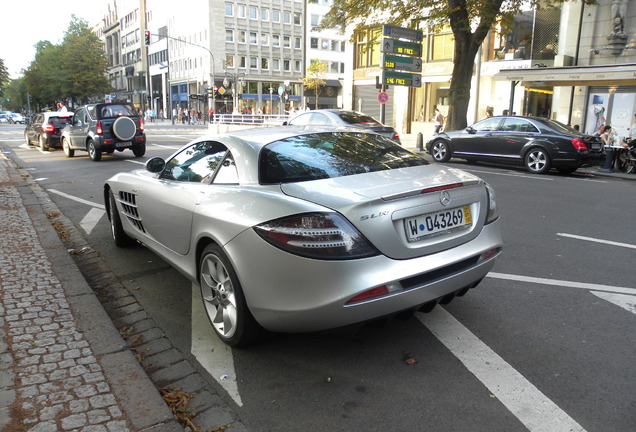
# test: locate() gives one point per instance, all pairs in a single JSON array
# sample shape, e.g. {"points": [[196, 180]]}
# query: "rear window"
{"points": [[358, 118], [329, 155], [59, 121], [112, 111]]}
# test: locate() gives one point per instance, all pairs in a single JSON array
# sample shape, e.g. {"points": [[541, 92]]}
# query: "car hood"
{"points": [[379, 204]]}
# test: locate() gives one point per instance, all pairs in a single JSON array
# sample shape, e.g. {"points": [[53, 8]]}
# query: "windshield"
{"points": [[331, 155]]}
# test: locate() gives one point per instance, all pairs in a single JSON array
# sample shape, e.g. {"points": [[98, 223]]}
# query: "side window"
{"points": [[79, 117], [38, 119], [197, 163], [518, 125], [321, 119], [487, 125], [302, 119], [227, 173]]}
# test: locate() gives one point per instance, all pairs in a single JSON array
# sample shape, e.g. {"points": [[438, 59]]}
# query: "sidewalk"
{"points": [[64, 366]]}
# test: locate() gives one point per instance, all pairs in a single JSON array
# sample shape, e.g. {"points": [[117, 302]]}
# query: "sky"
{"points": [[26, 23]]}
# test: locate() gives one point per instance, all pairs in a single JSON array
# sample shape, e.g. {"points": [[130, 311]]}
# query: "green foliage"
{"points": [[4, 78], [75, 69], [314, 80]]}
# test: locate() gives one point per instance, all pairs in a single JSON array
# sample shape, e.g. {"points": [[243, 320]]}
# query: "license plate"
{"points": [[443, 221], [596, 146], [123, 144]]}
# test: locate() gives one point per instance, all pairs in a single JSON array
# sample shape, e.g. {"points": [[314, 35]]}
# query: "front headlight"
{"points": [[493, 207]]}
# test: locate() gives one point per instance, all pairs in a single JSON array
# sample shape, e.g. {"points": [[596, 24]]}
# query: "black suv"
{"points": [[104, 128], [46, 128]]}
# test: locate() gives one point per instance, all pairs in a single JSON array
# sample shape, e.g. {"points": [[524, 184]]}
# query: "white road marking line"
{"points": [[210, 352], [522, 398], [562, 283], [91, 219], [80, 200], [166, 146], [509, 174], [591, 239], [627, 302], [136, 162]]}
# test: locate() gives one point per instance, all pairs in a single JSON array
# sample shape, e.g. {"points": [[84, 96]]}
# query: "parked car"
{"points": [[298, 229], [4, 118], [537, 143], [16, 118], [46, 128], [335, 117], [104, 128]]}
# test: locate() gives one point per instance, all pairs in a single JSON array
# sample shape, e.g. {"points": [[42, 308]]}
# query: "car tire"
{"points": [[223, 300], [68, 151], [43, 145], [440, 151], [120, 237], [124, 128], [139, 150], [94, 153], [537, 161]]}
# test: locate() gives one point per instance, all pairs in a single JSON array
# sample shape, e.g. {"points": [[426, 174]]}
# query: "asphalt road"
{"points": [[546, 342]]}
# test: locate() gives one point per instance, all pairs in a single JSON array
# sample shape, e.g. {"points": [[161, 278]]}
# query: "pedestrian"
{"points": [[439, 121], [506, 112], [489, 112], [61, 107], [607, 136]]}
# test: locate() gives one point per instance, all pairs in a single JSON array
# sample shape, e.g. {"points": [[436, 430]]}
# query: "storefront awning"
{"points": [[623, 74]]}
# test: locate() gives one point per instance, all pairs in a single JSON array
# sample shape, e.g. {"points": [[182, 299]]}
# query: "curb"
{"points": [[135, 356]]}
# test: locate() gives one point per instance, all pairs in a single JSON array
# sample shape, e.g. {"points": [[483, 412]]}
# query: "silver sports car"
{"points": [[300, 229]]}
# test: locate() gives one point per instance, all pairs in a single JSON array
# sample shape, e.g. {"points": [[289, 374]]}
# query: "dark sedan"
{"points": [[537, 143], [336, 117], [46, 128]]}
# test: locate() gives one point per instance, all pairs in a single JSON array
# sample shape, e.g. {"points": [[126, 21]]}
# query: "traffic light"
{"points": [[147, 35]]}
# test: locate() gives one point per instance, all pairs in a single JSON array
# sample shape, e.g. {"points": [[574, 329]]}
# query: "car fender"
{"points": [[548, 147]]}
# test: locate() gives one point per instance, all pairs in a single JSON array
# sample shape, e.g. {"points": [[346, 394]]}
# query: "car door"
{"points": [[515, 134], [167, 204], [35, 128], [78, 129], [479, 139]]}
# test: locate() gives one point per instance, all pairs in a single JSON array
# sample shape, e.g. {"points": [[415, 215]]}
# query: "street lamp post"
{"points": [[234, 78]]}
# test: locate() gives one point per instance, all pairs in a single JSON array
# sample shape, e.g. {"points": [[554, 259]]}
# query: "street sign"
{"points": [[394, 46], [402, 33], [401, 79], [409, 64], [281, 90], [383, 97]]}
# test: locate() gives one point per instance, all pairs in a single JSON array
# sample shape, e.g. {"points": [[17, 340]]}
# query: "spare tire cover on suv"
{"points": [[124, 128]]}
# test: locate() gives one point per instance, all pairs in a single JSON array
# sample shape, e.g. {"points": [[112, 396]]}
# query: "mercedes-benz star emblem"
{"points": [[444, 198]]}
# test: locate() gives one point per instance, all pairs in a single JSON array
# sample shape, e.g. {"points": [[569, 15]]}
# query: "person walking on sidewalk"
{"points": [[438, 118]]}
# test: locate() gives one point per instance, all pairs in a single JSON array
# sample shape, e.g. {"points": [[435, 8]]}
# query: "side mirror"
{"points": [[470, 130], [155, 165], [285, 123]]}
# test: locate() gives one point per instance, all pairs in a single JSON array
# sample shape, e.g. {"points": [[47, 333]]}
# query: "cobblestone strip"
{"points": [[166, 366], [57, 383]]}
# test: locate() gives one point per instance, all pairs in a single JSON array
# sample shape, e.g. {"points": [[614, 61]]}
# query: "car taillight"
{"points": [[141, 125], [48, 127], [578, 144], [316, 235], [99, 129]]}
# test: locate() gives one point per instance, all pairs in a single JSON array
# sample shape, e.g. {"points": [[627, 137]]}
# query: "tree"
{"points": [[83, 62], [4, 80], [75, 69], [314, 80], [470, 21]]}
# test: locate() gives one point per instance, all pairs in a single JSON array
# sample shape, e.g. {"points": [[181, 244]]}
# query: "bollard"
{"points": [[420, 142], [609, 160]]}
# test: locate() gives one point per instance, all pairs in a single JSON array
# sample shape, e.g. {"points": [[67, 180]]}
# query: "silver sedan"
{"points": [[296, 229]]}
